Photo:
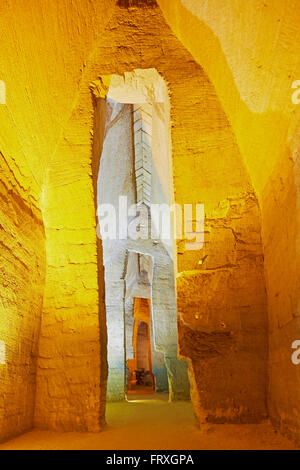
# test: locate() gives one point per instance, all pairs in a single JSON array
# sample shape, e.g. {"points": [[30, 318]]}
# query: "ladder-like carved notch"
{"points": [[142, 125]]}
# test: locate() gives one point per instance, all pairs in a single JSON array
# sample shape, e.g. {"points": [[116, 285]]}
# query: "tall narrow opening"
{"points": [[135, 175], [141, 379]]}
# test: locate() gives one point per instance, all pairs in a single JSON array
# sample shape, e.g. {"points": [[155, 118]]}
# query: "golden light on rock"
{"points": [[169, 101]]}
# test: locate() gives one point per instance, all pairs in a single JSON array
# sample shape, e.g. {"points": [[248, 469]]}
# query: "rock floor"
{"points": [[150, 422]]}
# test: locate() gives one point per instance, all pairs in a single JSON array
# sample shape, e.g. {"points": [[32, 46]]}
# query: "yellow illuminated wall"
{"points": [[251, 53], [229, 67], [22, 262]]}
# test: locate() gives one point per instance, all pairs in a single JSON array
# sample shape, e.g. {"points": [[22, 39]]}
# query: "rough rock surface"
{"points": [[252, 60], [234, 133], [22, 263]]}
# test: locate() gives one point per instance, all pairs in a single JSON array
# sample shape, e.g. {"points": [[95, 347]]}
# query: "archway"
{"points": [[136, 156]]}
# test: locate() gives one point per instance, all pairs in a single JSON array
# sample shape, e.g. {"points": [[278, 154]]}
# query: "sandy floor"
{"points": [[150, 422]]}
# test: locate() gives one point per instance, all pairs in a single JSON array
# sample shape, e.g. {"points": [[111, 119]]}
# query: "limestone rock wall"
{"points": [[204, 152], [22, 262], [46, 136], [281, 238], [223, 326], [252, 59], [70, 370]]}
